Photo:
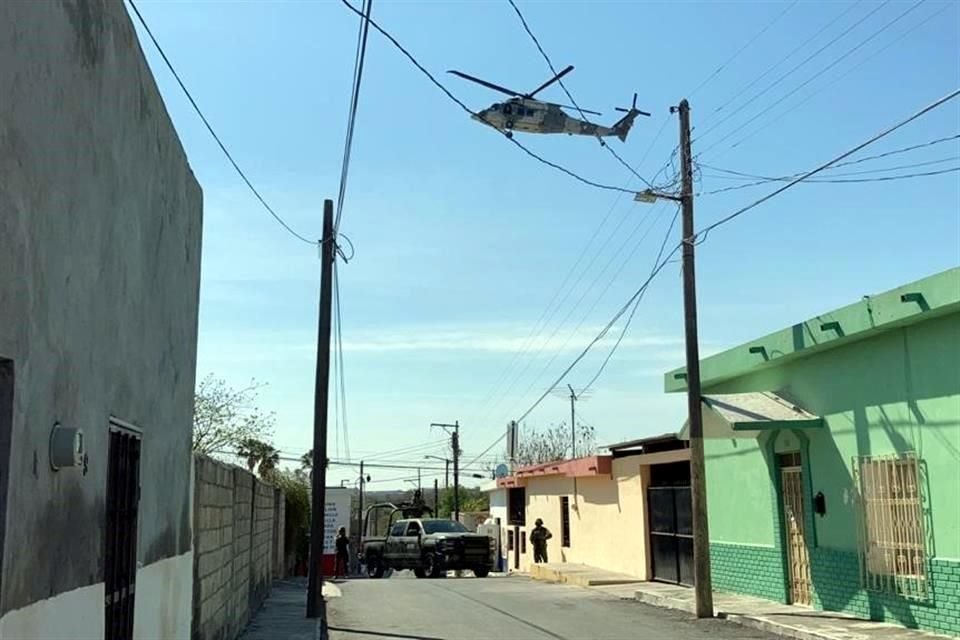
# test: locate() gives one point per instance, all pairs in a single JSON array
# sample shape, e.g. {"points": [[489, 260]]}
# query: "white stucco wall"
{"points": [[164, 599], [73, 615]]}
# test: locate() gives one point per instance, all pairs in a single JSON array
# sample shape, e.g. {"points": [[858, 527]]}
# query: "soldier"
{"points": [[538, 538], [343, 553]]}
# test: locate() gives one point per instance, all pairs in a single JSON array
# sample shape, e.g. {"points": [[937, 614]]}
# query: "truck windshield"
{"points": [[443, 526]]}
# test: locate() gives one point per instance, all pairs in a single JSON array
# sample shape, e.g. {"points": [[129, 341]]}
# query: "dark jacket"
{"points": [[539, 536], [343, 545]]}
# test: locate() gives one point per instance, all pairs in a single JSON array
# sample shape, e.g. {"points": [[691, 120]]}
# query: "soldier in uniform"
{"points": [[538, 539]]}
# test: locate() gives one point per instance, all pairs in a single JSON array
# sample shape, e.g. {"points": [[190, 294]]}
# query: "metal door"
{"points": [[671, 524], [120, 536], [798, 557]]}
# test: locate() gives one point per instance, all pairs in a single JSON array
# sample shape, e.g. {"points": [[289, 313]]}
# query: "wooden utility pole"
{"points": [[436, 496], [315, 607], [360, 517], [456, 471], [573, 424], [454, 431], [698, 486]]}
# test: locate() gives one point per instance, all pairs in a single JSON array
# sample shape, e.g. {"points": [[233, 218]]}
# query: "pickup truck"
{"points": [[428, 546]]}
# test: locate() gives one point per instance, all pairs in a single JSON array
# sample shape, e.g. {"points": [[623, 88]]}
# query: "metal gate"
{"points": [[671, 524], [798, 557], [120, 537]]}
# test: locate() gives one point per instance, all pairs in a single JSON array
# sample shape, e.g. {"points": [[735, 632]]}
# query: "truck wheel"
{"points": [[420, 573], [481, 572], [374, 567], [430, 566]]}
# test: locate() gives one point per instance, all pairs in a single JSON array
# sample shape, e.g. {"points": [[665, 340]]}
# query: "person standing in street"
{"points": [[538, 539], [343, 553]]}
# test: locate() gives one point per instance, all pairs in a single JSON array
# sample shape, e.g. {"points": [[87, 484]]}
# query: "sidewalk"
{"points": [[283, 613], [778, 619]]}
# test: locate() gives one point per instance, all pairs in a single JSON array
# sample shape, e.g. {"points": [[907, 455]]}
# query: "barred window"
{"points": [[893, 553]]}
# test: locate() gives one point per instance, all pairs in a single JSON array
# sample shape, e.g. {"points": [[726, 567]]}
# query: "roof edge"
{"points": [[908, 304]]}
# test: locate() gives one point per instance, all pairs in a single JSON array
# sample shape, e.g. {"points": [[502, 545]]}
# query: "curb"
{"points": [[761, 624]]}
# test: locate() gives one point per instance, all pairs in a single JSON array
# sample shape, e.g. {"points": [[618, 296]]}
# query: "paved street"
{"points": [[505, 608]]}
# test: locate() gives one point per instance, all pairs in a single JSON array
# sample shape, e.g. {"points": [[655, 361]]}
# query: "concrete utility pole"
{"points": [[436, 496], [698, 487], [573, 424], [315, 606], [454, 431]]}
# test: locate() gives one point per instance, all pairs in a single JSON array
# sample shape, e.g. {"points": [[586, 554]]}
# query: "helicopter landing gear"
{"points": [[509, 135]]}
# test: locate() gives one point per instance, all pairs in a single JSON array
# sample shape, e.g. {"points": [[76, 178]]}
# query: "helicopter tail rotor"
{"points": [[622, 127]]}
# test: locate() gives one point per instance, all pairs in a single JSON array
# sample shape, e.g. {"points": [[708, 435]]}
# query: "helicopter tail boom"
{"points": [[622, 127]]}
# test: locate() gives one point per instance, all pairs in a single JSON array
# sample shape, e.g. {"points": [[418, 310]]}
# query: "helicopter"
{"points": [[523, 112]]}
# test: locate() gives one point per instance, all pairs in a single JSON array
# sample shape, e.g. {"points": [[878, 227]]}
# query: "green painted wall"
{"points": [[739, 500], [895, 388], [895, 392]]}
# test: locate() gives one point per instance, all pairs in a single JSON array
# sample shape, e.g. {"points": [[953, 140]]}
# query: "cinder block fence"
{"points": [[238, 527]]}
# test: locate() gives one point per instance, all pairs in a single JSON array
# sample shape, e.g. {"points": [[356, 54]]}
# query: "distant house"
{"points": [[100, 231], [833, 459], [598, 509]]}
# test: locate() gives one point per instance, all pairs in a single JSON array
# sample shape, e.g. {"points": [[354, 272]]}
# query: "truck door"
{"points": [[411, 554], [393, 546]]}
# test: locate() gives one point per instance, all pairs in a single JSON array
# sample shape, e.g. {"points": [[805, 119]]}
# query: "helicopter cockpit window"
{"points": [[495, 106], [508, 109]]}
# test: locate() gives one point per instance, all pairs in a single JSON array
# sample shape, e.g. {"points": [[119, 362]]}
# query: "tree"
{"points": [[538, 447], [471, 499], [259, 454], [296, 491], [223, 417]]}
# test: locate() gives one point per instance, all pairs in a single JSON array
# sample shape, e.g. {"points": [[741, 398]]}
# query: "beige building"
{"points": [[598, 508]]}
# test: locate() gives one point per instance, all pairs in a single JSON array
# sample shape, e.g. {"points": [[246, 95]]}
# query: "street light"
{"points": [[446, 461]]}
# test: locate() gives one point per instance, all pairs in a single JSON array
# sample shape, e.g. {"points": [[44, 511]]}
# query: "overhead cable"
{"points": [[570, 97], [354, 103], [777, 117], [817, 75], [746, 45], [462, 105], [213, 133], [702, 234], [636, 305], [752, 100]]}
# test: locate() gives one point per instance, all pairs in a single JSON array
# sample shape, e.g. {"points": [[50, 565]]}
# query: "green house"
{"points": [[833, 459]]}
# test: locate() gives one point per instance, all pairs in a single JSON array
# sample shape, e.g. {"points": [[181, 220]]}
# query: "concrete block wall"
{"points": [[235, 524]]}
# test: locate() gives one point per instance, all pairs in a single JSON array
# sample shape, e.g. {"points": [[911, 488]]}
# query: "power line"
{"points": [[354, 102], [633, 311], [705, 231], [886, 154], [449, 94], [749, 42], [816, 75], [793, 70], [837, 79], [570, 97], [213, 133], [742, 91], [839, 181], [338, 344], [549, 311], [627, 241], [600, 335]]}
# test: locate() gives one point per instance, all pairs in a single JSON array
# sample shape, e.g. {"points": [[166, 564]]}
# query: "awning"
{"points": [[731, 415]]}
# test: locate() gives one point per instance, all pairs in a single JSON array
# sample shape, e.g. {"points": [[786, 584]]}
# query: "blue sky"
{"points": [[462, 240]]}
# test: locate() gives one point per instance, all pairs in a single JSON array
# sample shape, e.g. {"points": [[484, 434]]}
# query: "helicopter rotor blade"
{"points": [[489, 85], [550, 82]]}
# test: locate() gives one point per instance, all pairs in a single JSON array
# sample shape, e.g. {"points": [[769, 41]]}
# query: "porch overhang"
{"points": [[731, 415]]}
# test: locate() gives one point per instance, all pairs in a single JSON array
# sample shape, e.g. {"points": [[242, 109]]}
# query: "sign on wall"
{"points": [[336, 515]]}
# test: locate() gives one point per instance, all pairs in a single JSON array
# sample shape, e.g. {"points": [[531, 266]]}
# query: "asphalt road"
{"points": [[500, 608]]}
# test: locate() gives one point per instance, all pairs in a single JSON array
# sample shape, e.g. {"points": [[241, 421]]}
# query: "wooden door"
{"points": [[798, 557]]}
